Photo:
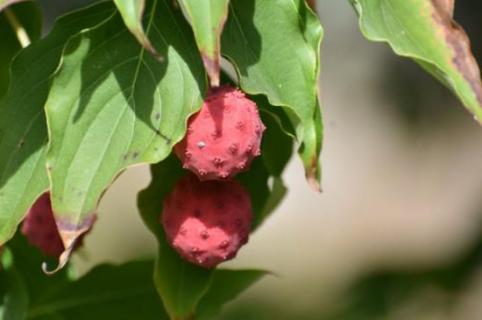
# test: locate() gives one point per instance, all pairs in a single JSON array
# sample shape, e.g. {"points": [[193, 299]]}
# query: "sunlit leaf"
{"points": [[23, 132]]}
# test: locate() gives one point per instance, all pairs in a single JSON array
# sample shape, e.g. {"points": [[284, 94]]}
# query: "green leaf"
{"points": [[263, 180], [281, 61], [120, 292], [15, 298], [26, 283], [23, 133], [226, 286], [179, 283], [106, 292], [29, 17], [111, 106], [425, 32], [27, 260], [277, 146], [264, 198], [207, 19], [132, 12]]}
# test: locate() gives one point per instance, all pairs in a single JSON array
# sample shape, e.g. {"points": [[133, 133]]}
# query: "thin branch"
{"points": [[20, 32]]}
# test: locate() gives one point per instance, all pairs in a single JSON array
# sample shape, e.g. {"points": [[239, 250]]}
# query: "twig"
{"points": [[20, 32]]}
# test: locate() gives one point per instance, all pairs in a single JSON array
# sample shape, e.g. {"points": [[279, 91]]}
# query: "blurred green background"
{"points": [[396, 233]]}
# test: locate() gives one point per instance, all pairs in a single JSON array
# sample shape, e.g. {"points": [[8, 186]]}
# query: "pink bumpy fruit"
{"points": [[207, 222], [40, 229], [223, 137]]}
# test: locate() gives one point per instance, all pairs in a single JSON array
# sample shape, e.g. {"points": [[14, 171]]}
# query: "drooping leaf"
{"points": [[424, 30], [207, 19], [226, 286], [112, 105], [179, 283], [281, 61], [23, 132], [132, 13], [122, 292], [28, 15]]}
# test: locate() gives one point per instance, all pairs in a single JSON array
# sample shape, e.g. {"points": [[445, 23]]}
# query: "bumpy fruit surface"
{"points": [[40, 229], [207, 222], [223, 137]]}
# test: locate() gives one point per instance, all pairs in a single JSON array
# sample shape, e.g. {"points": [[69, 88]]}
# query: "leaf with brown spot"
{"points": [[426, 32], [23, 130], [207, 19]]}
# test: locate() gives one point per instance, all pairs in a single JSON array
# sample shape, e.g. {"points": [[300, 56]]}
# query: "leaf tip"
{"points": [[63, 259], [314, 184], [312, 174], [70, 235]]}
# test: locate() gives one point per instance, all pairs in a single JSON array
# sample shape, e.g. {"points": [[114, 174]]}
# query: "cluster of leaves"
{"points": [[112, 86], [106, 291], [121, 292]]}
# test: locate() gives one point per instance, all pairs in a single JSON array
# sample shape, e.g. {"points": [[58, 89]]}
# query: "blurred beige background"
{"points": [[397, 193]]}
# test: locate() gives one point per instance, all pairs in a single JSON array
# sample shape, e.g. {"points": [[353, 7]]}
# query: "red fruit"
{"points": [[207, 222], [40, 229], [223, 137]]}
